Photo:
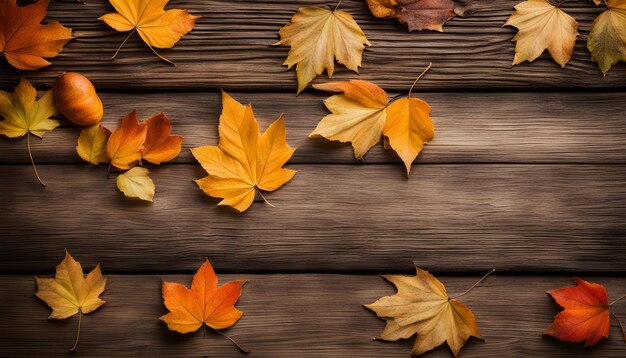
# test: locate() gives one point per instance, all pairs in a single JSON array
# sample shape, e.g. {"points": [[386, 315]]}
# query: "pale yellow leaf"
{"points": [[607, 39], [136, 183], [92, 144]]}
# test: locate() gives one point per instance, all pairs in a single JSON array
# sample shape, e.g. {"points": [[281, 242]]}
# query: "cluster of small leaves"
{"points": [[543, 25]]}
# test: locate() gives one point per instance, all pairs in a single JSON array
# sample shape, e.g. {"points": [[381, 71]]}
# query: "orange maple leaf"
{"points": [[24, 41], [203, 303], [125, 145], [585, 316], [160, 146]]}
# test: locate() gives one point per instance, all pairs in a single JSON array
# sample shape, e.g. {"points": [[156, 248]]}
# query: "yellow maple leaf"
{"points": [[69, 292], [317, 37], [156, 27], [542, 26], [24, 115], [244, 162], [92, 144], [136, 183], [422, 307], [607, 39], [361, 115]]}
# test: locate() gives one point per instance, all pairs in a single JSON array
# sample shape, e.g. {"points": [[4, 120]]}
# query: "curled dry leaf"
{"points": [[317, 37], [585, 316], [136, 183], [245, 162], [422, 307], [203, 304], [417, 14], [156, 27], [607, 39], [125, 145], [361, 115], [24, 115], [92, 144], [70, 292], [543, 26], [24, 41]]}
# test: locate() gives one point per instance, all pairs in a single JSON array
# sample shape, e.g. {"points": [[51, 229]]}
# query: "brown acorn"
{"points": [[75, 97]]}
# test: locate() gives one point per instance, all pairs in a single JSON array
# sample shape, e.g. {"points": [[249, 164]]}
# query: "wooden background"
{"points": [[526, 175]]}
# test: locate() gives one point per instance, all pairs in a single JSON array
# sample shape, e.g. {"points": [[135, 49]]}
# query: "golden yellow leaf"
{"points": [[422, 307], [136, 183], [244, 162], [24, 115], [543, 26], [408, 127], [607, 39], [92, 144], [358, 115], [319, 36], [361, 115], [156, 27], [69, 292]]}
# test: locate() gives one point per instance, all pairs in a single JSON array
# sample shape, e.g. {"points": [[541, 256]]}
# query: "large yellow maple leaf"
{"points": [[317, 36], [542, 26], [607, 39], [156, 27], [245, 161], [422, 307]]}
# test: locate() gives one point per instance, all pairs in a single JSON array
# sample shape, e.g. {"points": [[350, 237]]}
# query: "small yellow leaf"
{"points": [[92, 144], [317, 36], [607, 39], [136, 183], [23, 114], [543, 26]]}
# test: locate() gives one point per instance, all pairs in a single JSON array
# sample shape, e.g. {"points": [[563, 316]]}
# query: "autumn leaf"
{"points": [[24, 41], [607, 39], [543, 26], [125, 145], [585, 316], [361, 115], [69, 292], [244, 162], [203, 304], [160, 146], [92, 144], [24, 115], [317, 37], [422, 307], [136, 183], [156, 27], [417, 14]]}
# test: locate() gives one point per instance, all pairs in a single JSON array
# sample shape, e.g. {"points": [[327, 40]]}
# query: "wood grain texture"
{"points": [[292, 316], [231, 48], [471, 127], [329, 218]]}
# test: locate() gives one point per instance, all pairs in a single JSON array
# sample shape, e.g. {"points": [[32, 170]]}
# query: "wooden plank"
{"points": [[293, 316], [230, 48], [330, 218], [471, 127]]}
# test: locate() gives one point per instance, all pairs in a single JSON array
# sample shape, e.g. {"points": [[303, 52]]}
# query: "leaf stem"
{"points": [[420, 76], [263, 197], [620, 325], [242, 348], [336, 6], [123, 42], [161, 57], [80, 318], [30, 154], [617, 300], [474, 285]]}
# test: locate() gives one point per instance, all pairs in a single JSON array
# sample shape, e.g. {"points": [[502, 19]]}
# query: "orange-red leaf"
{"points": [[203, 303], [125, 145], [586, 315], [417, 14], [24, 41], [160, 146]]}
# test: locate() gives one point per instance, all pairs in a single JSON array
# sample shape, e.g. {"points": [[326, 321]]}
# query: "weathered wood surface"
{"points": [[230, 48], [471, 127], [329, 218], [292, 316]]}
